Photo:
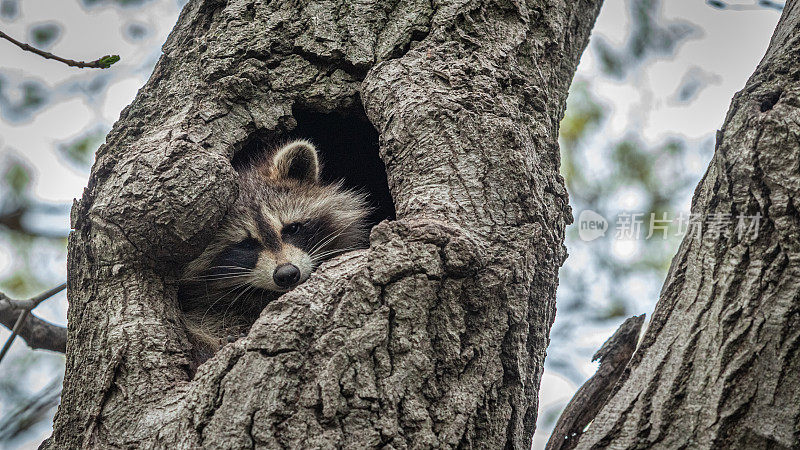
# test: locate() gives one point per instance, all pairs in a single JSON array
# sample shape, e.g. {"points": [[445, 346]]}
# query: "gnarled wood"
{"points": [[436, 335]]}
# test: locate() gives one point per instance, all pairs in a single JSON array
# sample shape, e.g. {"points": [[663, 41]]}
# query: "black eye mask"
{"points": [[236, 258], [309, 234]]}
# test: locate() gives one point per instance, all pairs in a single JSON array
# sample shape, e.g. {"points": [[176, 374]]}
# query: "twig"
{"points": [[26, 306], [614, 356], [101, 63]]}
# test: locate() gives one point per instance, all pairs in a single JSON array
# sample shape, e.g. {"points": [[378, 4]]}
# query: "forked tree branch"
{"points": [[37, 333]]}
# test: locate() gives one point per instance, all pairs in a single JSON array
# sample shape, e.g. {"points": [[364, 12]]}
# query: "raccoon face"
{"points": [[283, 225]]}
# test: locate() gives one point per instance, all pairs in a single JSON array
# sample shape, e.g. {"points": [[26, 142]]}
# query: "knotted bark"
{"points": [[433, 337]]}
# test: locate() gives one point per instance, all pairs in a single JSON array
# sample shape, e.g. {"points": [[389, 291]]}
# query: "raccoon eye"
{"points": [[292, 228]]}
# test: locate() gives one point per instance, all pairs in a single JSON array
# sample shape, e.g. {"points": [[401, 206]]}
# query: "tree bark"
{"points": [[433, 337], [719, 366]]}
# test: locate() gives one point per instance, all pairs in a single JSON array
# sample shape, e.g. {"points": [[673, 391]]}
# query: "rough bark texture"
{"points": [[436, 335], [719, 366]]}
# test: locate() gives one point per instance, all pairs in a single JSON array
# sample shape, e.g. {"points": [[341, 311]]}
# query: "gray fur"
{"points": [[282, 188]]}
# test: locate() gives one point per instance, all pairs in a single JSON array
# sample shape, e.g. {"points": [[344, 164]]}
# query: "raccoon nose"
{"points": [[286, 275]]}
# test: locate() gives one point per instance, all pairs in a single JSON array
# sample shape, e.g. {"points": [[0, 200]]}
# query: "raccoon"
{"points": [[284, 223]]}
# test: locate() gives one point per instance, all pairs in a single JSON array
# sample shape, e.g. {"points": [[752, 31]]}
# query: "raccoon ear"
{"points": [[296, 161]]}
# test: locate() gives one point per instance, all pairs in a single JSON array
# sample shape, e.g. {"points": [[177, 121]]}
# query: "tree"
{"points": [[434, 336], [718, 365]]}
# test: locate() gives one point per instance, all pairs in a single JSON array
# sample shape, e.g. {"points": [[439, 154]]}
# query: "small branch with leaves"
{"points": [[36, 332], [103, 62]]}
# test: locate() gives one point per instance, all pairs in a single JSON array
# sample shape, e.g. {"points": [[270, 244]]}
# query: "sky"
{"points": [[714, 61]]}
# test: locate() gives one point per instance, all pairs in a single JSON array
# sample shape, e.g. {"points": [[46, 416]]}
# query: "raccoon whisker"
{"points": [[225, 313], [235, 269], [216, 277], [222, 277], [205, 313], [221, 283], [239, 271], [318, 257], [320, 242], [335, 250], [256, 306], [315, 263], [250, 294], [226, 299], [331, 236]]}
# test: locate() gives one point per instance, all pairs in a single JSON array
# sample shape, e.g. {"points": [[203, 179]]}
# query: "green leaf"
{"points": [[106, 61], [615, 310]]}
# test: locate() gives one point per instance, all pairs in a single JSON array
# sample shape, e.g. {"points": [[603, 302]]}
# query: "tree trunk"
{"points": [[433, 337], [719, 366]]}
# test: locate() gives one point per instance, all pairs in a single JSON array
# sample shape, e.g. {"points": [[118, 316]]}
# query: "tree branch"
{"points": [[586, 403], [37, 333], [103, 62]]}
